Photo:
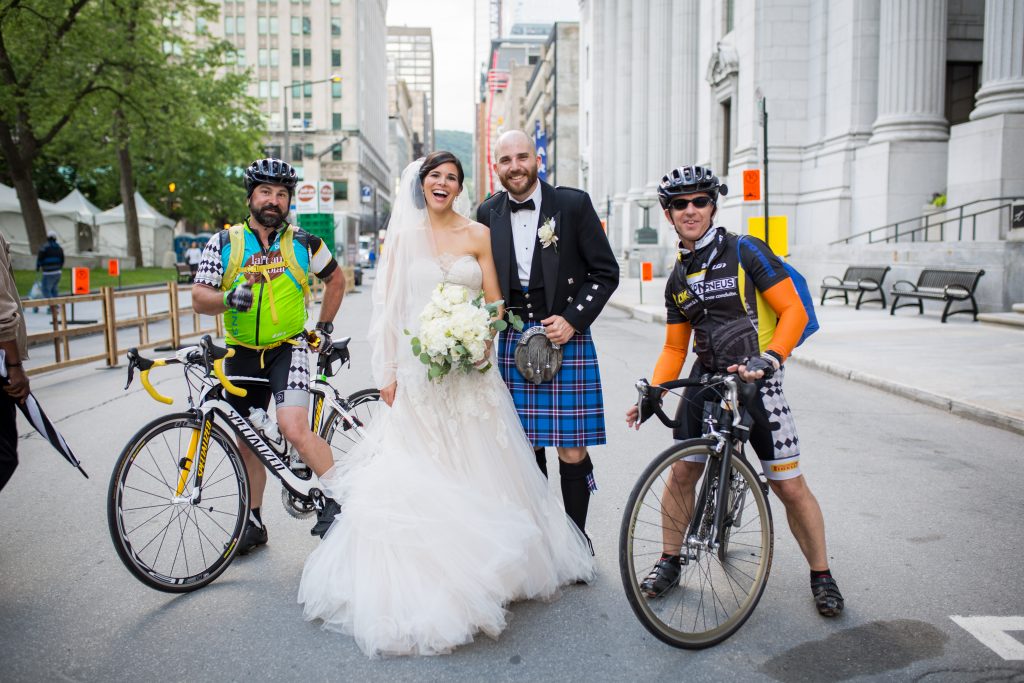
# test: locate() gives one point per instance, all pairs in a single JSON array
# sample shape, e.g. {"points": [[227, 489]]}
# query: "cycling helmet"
{"points": [[269, 172], [689, 180]]}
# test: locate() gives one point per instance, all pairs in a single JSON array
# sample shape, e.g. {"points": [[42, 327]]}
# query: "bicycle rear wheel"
{"points": [[339, 430], [167, 541], [718, 587]]}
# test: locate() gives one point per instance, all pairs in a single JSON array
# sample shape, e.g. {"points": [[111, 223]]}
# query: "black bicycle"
{"points": [[178, 499], [721, 528]]}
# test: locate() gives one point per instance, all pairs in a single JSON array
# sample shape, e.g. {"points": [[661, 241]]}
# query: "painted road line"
{"points": [[992, 632]]}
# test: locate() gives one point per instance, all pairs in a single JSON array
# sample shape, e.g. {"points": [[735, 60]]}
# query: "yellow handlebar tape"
{"points": [[150, 389], [218, 370]]}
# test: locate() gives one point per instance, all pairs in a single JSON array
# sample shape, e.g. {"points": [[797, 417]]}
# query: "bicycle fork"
{"points": [[199, 441]]}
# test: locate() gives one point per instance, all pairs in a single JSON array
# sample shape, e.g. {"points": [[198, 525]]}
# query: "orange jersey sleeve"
{"points": [[673, 354], [785, 301]]}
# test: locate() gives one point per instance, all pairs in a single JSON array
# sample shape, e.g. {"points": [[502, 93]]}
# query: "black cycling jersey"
{"points": [[704, 289]]}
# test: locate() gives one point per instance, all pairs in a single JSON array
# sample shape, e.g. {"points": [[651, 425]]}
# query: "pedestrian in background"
{"points": [[50, 262], [193, 255], [13, 344]]}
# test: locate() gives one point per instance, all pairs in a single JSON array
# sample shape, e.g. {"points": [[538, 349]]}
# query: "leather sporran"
{"points": [[538, 359]]}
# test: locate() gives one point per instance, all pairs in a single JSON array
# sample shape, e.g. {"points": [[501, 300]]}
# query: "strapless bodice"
{"points": [[461, 270]]}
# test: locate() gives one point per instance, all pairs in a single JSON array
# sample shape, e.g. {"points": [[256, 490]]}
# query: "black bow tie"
{"points": [[528, 205]]}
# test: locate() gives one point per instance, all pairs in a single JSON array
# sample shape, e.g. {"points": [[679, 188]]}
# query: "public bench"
{"points": [[949, 285], [184, 273], [860, 279]]}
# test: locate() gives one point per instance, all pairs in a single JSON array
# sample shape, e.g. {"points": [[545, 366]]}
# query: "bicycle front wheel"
{"points": [[339, 430], [719, 585], [177, 542]]}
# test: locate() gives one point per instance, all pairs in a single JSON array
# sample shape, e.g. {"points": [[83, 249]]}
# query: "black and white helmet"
{"points": [[689, 180], [270, 172]]}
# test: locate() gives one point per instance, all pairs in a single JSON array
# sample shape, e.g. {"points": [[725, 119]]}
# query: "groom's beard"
{"points": [[520, 184], [268, 216]]}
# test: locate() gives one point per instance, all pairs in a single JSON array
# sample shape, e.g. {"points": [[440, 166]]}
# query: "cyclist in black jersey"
{"points": [[746, 317]]}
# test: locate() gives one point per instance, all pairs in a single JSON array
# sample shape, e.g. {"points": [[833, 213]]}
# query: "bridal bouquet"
{"points": [[455, 327]]}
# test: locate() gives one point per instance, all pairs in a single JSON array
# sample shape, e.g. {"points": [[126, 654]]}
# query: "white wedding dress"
{"points": [[445, 516]]}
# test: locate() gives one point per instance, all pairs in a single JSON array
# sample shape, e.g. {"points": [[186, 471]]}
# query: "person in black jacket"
{"points": [[556, 269], [50, 261]]}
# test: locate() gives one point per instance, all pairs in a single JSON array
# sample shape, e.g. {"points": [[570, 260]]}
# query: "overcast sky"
{"points": [[455, 68]]}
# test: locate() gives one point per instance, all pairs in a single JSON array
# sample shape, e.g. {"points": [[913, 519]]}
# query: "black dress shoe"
{"points": [[252, 537]]}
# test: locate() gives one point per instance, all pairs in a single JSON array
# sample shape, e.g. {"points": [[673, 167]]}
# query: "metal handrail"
{"points": [[929, 224]]}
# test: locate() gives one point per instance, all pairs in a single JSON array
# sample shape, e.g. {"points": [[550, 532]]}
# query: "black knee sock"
{"points": [[542, 460], [576, 489]]}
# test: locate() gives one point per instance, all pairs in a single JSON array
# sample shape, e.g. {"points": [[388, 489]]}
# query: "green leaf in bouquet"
{"points": [[516, 321], [425, 358], [499, 325], [406, 331]]}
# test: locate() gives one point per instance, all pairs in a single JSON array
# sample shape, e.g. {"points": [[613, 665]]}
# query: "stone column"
{"points": [[640, 75], [1002, 68], [912, 71], [685, 72], [659, 95], [622, 78]]}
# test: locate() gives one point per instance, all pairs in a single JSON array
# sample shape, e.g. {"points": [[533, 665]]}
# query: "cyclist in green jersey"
{"points": [[256, 274]]}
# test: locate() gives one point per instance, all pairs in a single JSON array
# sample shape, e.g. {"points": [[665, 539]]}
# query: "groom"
{"points": [[556, 269]]}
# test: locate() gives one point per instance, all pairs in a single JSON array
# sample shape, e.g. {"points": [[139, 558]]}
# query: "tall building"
{"points": [[874, 107], [552, 103], [318, 69], [411, 58]]}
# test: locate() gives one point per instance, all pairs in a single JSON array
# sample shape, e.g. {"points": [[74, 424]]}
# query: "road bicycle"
{"points": [[721, 530], [178, 498]]}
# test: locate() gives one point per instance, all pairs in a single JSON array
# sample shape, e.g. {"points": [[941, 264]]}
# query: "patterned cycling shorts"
{"points": [[773, 435], [285, 366]]}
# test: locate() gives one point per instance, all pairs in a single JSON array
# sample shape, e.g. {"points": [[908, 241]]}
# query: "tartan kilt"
{"points": [[568, 411]]}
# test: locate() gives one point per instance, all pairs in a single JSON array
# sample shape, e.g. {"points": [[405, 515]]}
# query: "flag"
{"points": [[540, 139], [41, 423]]}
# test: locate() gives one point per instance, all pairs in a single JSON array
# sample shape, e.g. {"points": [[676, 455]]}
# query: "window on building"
{"points": [[340, 190], [307, 57], [725, 124], [307, 89], [336, 121], [273, 25], [240, 57], [335, 90], [296, 57], [261, 57], [240, 25], [201, 27], [229, 26], [335, 57], [273, 151], [296, 90], [296, 152], [307, 26], [261, 25], [264, 89], [962, 82], [336, 152], [275, 88], [335, 26], [296, 25], [274, 56]]}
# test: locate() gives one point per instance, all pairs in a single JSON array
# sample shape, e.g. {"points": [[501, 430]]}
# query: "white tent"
{"points": [[155, 233], [56, 218], [85, 212]]}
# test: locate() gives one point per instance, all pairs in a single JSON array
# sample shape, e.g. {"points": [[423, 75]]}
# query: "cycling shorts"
{"points": [[285, 366], [772, 436]]}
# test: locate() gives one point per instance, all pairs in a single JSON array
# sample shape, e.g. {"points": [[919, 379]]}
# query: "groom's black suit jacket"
{"points": [[581, 275]]}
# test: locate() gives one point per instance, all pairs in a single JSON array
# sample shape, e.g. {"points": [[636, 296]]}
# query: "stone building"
{"points": [[874, 107], [552, 100]]}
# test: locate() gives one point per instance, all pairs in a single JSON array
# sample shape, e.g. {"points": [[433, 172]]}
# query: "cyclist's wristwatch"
{"points": [[327, 327]]}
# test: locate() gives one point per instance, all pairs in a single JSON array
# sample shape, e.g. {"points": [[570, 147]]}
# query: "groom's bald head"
{"points": [[515, 163]]}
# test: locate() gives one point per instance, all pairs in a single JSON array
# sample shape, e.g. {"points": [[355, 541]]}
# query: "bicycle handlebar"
{"points": [[206, 353], [735, 389]]}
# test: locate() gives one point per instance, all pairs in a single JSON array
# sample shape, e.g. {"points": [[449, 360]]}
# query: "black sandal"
{"points": [[827, 597], [662, 578]]}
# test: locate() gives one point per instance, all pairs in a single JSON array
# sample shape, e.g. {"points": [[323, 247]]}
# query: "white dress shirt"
{"points": [[524, 236]]}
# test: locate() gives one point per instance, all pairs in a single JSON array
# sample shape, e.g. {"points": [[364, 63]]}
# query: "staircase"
{"points": [[1014, 317]]}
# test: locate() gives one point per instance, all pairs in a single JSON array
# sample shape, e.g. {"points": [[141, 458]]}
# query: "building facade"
{"points": [[873, 108], [318, 69], [411, 59], [552, 103]]}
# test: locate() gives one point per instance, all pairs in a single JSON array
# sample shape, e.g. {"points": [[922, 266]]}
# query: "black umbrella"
{"points": [[38, 419]]}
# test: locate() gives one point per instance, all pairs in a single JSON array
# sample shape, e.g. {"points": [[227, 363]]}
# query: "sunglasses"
{"points": [[699, 202]]}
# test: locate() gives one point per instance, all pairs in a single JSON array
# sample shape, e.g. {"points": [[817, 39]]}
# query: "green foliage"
{"points": [[460, 144]]}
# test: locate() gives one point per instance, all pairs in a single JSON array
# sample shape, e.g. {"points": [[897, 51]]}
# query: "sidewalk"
{"points": [[970, 369]]}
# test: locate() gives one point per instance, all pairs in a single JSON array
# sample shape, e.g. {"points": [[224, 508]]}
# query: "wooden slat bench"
{"points": [[860, 279], [184, 273], [947, 285]]}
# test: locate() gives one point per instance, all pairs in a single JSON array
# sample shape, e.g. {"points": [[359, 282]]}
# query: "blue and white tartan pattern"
{"points": [[568, 411]]}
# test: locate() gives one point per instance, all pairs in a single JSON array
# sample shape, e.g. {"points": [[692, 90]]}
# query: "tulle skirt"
{"points": [[445, 520]]}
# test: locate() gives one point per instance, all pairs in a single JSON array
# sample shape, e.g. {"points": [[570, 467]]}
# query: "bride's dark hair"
{"points": [[435, 159]]}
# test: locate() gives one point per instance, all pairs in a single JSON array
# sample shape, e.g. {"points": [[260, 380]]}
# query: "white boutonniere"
{"points": [[546, 234]]}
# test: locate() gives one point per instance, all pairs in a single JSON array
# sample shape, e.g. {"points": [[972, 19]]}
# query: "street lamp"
{"points": [[646, 234], [287, 155]]}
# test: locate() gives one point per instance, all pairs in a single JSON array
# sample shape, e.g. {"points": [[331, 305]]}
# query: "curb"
{"points": [[968, 411]]}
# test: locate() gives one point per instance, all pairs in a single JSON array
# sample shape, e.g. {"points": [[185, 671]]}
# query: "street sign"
{"points": [[752, 185], [80, 280], [1018, 216], [646, 271], [113, 267], [326, 196], [365, 193], [306, 196]]}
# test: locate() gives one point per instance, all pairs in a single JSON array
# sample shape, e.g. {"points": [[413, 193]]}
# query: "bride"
{"points": [[445, 516]]}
